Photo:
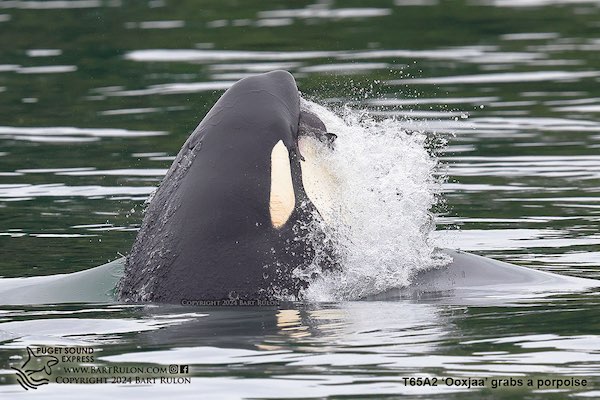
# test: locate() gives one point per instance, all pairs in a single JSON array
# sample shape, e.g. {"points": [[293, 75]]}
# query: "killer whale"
{"points": [[231, 218], [256, 126]]}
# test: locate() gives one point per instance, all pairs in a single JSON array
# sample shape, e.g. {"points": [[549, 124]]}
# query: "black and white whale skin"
{"points": [[231, 217]]}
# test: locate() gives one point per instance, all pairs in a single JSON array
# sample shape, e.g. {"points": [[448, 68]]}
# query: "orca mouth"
{"points": [[311, 125]]}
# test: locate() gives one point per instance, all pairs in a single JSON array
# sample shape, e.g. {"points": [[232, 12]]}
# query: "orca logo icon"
{"points": [[36, 370]]}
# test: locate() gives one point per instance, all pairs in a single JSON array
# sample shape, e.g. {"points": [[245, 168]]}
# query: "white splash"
{"points": [[387, 185]]}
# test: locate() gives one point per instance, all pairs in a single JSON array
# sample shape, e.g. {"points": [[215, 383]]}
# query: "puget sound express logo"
{"points": [[77, 365], [35, 371]]}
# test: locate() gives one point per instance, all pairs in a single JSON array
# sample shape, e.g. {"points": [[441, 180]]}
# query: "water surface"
{"points": [[96, 98]]}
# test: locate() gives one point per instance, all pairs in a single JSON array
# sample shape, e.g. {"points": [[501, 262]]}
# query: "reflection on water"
{"points": [[335, 349], [97, 97]]}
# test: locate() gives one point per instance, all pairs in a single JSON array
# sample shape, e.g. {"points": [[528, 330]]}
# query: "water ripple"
{"points": [[536, 76], [28, 191], [68, 133], [335, 13]]}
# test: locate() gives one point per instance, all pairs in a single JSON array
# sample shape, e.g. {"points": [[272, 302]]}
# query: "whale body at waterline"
{"points": [[467, 279]]}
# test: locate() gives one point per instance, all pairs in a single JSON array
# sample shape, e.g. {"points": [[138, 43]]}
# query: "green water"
{"points": [[96, 98]]}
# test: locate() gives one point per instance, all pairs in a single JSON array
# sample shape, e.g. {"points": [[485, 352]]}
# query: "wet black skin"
{"points": [[207, 232]]}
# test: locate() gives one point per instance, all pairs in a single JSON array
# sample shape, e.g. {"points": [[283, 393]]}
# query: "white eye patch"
{"points": [[282, 198]]}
